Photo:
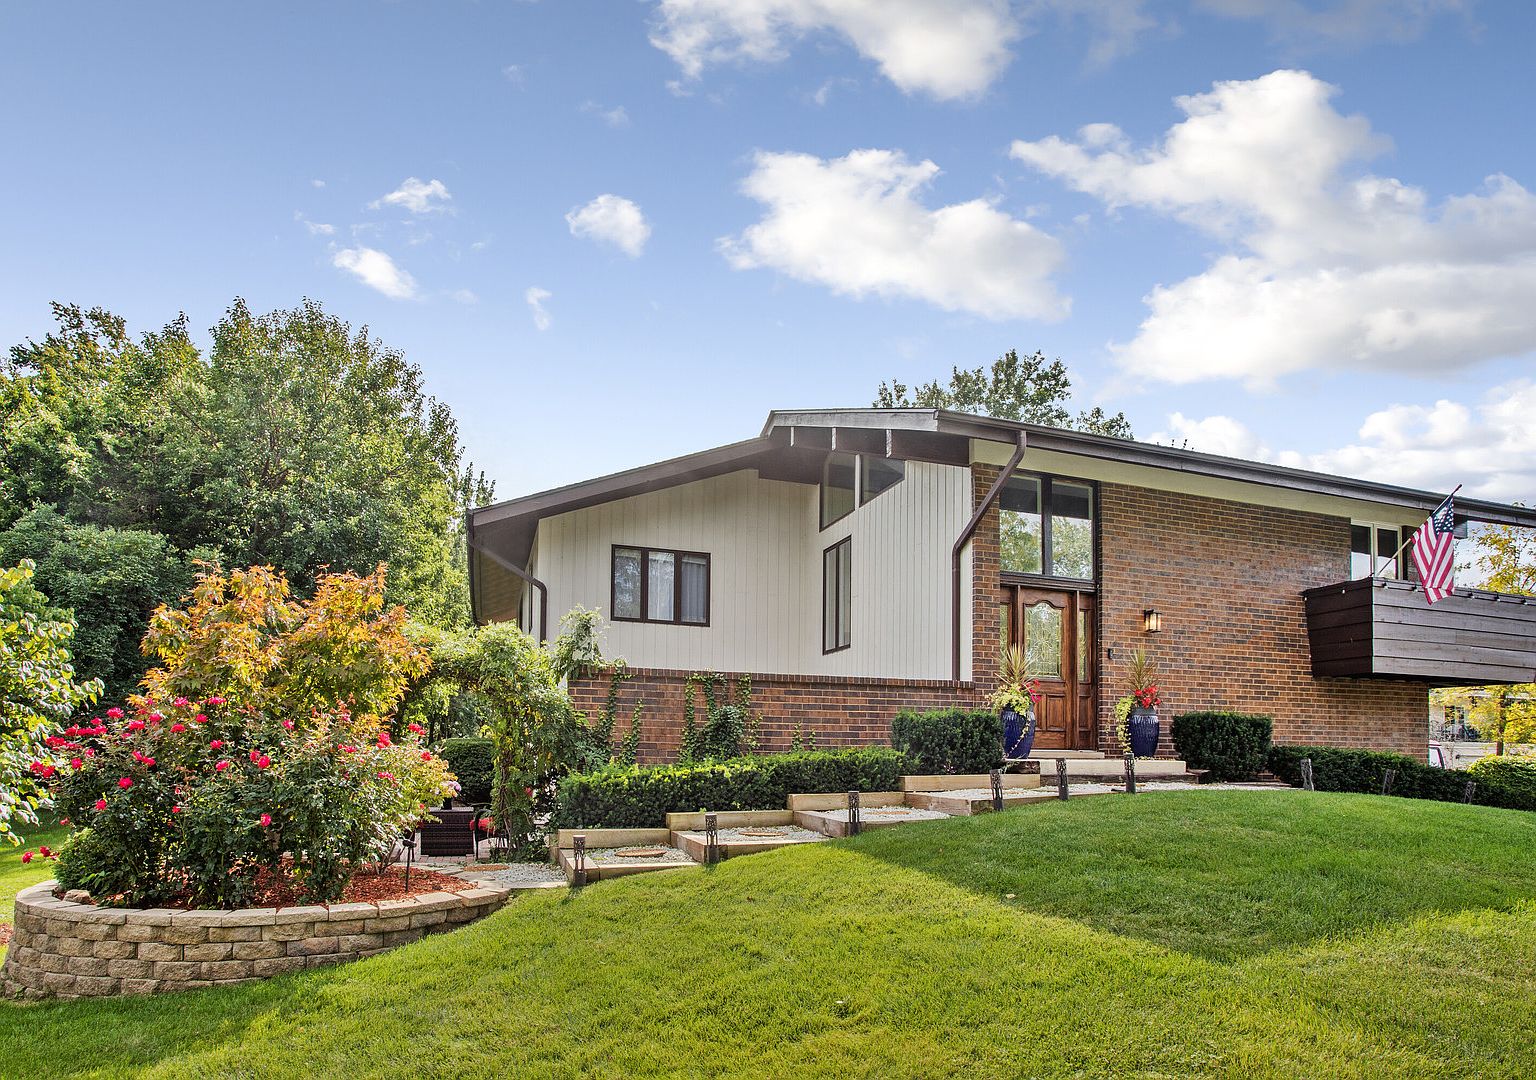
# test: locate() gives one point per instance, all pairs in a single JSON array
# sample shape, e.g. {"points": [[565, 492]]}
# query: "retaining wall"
{"points": [[65, 949]]}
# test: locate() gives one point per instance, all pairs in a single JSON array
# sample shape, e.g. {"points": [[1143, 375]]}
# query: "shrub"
{"points": [[643, 796], [473, 762], [1512, 779], [1231, 746], [260, 747], [949, 740], [1339, 769], [38, 690]]}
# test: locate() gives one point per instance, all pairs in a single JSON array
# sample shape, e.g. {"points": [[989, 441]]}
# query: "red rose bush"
{"points": [[261, 746]]}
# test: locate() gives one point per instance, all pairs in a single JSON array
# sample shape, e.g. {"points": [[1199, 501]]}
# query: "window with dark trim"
{"points": [[850, 480], [1045, 527], [877, 474], [1372, 547], [837, 596], [659, 586]]}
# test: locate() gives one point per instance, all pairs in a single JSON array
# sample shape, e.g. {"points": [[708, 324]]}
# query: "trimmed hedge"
{"points": [[641, 797], [949, 740], [1514, 777], [474, 764], [1338, 769], [1229, 745]]}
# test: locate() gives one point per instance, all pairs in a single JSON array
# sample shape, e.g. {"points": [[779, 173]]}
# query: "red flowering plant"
{"points": [[260, 747]]}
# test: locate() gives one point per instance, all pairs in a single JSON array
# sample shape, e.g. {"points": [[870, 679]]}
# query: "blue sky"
{"points": [[726, 206]]}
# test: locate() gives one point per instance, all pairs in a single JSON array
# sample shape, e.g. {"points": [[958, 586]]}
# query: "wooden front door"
{"points": [[1056, 628]]}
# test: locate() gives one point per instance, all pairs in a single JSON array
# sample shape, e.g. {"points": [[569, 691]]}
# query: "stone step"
{"points": [[1100, 767]]}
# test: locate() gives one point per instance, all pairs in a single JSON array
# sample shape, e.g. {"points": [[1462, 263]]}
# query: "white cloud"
{"points": [[316, 228], [514, 74], [535, 298], [419, 197], [376, 270], [1490, 447], [1340, 22], [946, 48], [618, 116], [857, 225], [465, 296], [611, 219], [1334, 267], [317, 183]]}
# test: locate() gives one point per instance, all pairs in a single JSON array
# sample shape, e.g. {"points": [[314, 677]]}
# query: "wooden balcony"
{"points": [[1372, 628]]}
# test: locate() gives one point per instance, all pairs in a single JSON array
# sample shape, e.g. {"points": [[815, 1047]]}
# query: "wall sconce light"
{"points": [[1152, 621]]}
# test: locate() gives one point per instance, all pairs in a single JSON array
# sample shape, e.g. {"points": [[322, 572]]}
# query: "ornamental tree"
{"points": [[261, 748], [38, 691]]}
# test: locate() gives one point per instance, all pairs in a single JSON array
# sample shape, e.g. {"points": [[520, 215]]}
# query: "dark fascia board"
{"points": [[620, 485], [1105, 448]]}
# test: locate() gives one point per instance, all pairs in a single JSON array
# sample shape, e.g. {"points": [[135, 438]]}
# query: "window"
{"points": [[660, 586], [1057, 543], [878, 474], [837, 482], [1371, 549], [849, 480], [837, 596]]}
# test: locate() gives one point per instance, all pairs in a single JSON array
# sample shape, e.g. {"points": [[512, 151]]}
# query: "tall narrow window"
{"points": [[660, 586], [837, 483], [837, 596], [1019, 525], [1071, 530]]}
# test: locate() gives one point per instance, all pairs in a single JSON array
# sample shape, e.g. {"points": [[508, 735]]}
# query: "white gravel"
{"points": [[514, 874], [611, 855], [787, 834], [885, 813]]}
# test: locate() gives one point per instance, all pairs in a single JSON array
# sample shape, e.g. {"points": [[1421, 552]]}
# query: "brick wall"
{"points": [[986, 564], [1227, 579], [841, 711]]}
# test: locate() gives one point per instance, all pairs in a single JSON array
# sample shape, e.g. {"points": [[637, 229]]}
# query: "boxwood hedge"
{"points": [[1229, 745], [950, 740], [642, 796], [1500, 782]]}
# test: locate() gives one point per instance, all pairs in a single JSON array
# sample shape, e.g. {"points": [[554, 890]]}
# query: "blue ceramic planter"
{"points": [[1018, 734], [1145, 730]]}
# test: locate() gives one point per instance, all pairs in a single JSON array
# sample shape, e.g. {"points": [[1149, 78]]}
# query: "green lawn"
{"points": [[1211, 933], [16, 875]]}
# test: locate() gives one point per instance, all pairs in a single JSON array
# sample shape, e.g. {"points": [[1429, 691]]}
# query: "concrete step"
{"points": [[1101, 767]]}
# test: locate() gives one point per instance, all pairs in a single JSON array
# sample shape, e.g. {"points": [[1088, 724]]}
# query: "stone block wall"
{"points": [[64, 949]]}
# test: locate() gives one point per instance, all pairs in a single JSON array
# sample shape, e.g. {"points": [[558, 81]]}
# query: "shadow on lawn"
{"points": [[1226, 876]]}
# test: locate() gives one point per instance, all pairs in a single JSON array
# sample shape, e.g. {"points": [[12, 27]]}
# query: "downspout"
{"points": [[965, 538], [511, 568]]}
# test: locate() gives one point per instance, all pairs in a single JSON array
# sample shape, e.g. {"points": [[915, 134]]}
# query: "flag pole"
{"points": [[1375, 573]]}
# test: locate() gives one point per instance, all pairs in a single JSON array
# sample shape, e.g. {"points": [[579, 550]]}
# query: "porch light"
{"points": [[1152, 621]]}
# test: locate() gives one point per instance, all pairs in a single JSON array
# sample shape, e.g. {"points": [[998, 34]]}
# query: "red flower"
{"points": [[288, 724], [384, 738], [199, 719], [125, 783], [486, 824], [221, 766], [26, 856], [414, 729], [135, 725], [263, 761], [76, 763], [266, 819], [44, 852], [347, 749], [115, 713], [155, 718], [178, 728], [175, 809], [214, 701], [39, 768], [386, 776], [255, 756], [425, 756], [181, 703], [216, 744], [101, 804]]}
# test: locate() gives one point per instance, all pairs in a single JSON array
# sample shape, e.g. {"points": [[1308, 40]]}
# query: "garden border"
{"points": [[64, 949]]}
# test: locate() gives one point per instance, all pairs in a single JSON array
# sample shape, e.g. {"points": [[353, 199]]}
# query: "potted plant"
{"points": [[1016, 703], [1141, 726]]}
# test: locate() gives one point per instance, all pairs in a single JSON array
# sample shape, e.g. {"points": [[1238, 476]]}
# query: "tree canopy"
{"points": [[1028, 389], [291, 441]]}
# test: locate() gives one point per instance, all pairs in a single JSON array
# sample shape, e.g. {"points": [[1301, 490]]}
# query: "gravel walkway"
{"points": [[784, 834], [611, 855], [886, 813], [515, 875]]}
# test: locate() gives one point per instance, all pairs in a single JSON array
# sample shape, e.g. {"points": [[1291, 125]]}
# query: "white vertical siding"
{"points": [[765, 548]]}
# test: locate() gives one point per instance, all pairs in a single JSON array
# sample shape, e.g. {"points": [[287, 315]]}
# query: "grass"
{"points": [[1205, 933], [16, 875]]}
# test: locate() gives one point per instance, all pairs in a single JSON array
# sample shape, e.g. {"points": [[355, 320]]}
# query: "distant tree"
{"points": [[293, 442], [1027, 389]]}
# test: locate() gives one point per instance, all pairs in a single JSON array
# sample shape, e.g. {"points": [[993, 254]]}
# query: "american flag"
{"points": [[1434, 551]]}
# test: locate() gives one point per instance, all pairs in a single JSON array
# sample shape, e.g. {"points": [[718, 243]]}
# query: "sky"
{"points": [[615, 231]]}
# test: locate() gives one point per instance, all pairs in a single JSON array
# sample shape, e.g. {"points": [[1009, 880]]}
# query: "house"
{"points": [[856, 562]]}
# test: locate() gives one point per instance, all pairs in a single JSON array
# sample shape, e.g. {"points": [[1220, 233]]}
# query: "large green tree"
{"points": [[291, 441], [1029, 389]]}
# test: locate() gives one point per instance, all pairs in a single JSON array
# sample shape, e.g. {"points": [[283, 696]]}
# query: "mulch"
{"points": [[5, 933], [368, 886]]}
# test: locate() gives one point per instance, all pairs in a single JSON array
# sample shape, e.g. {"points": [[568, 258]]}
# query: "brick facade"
{"points": [[1227, 579], [840, 711]]}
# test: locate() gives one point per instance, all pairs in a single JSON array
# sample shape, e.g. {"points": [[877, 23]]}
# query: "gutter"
{"points": [[511, 568], [965, 538]]}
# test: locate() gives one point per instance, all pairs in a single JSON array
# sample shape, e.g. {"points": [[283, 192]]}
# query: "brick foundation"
{"points": [[841, 711], [64, 949], [1227, 578]]}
